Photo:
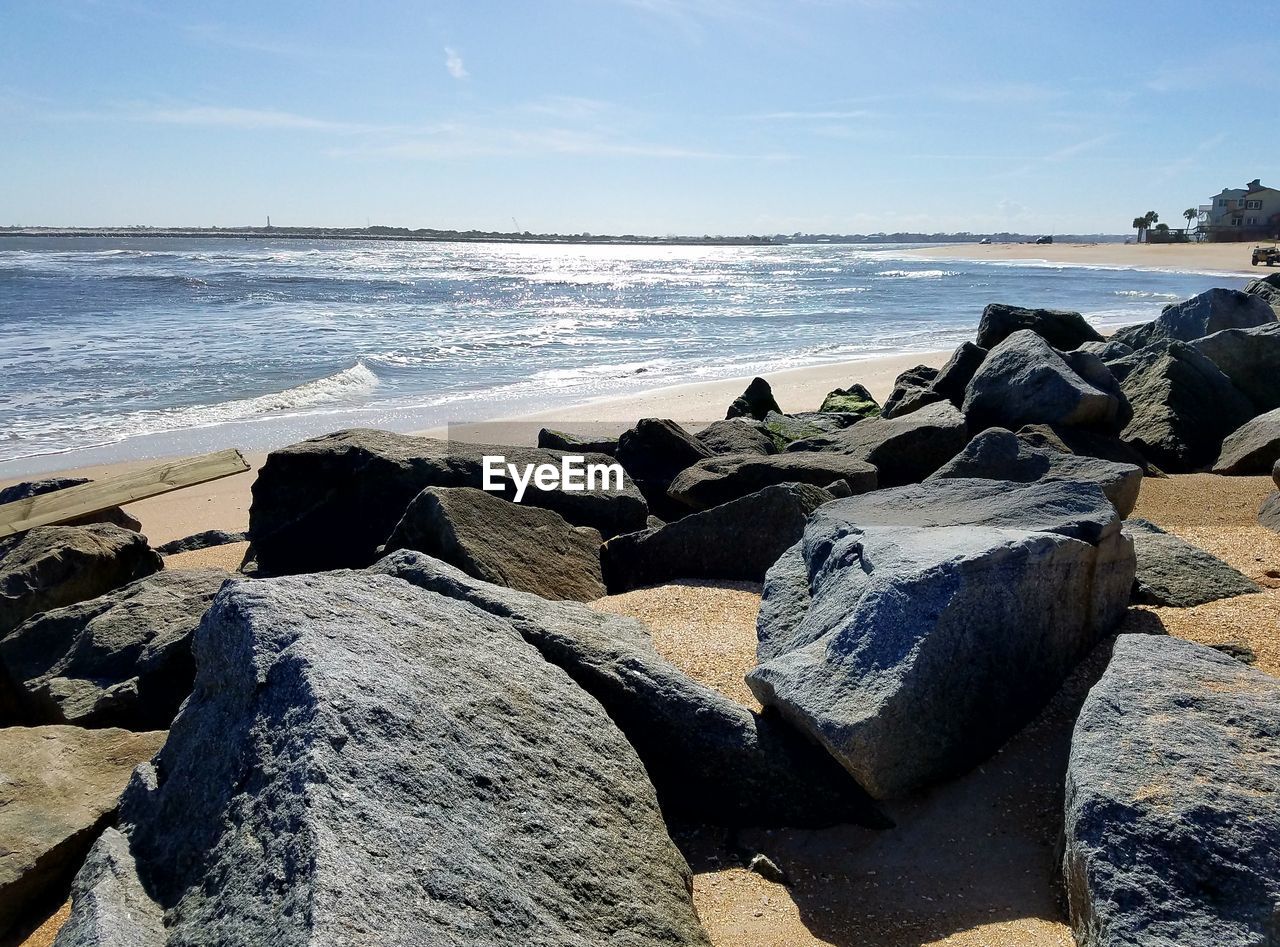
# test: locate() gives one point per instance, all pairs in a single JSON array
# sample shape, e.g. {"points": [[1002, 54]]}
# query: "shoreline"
{"points": [[224, 504], [1211, 258]]}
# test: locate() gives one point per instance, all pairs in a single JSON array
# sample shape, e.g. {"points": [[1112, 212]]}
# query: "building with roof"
{"points": [[1248, 213]]}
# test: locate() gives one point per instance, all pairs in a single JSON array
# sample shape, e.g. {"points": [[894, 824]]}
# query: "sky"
{"points": [[633, 116]]}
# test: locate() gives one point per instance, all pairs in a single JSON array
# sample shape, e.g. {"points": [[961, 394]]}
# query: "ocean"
{"points": [[120, 348]]}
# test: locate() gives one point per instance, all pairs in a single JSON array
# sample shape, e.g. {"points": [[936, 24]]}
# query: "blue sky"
{"points": [[646, 116]]}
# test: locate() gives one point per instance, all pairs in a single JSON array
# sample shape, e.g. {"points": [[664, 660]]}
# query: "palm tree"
{"points": [[1191, 213], [1139, 224]]}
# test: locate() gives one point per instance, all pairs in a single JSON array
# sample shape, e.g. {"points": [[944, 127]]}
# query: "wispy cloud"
{"points": [[467, 141], [998, 93], [213, 34], [453, 62], [1080, 147], [815, 116], [215, 116]]}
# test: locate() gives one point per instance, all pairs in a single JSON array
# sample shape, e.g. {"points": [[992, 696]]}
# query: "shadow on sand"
{"points": [[979, 850]]}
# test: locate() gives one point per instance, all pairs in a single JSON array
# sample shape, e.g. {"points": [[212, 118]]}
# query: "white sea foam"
{"points": [[916, 274], [347, 387]]}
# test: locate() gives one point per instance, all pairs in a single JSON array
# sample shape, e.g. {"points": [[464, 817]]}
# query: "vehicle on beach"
{"points": [[1268, 256], [985, 242], [1044, 239]]}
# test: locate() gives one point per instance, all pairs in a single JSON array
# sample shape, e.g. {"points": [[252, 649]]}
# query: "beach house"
{"points": [[1248, 213]]}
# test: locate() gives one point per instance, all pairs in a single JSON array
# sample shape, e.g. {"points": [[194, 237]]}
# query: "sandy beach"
{"points": [[1200, 257], [973, 862]]}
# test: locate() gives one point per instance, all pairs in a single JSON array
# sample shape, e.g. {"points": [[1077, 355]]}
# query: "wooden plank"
{"points": [[74, 502]]}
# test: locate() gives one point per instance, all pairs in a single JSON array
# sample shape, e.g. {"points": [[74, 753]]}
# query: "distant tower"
{"points": [[268, 221]]}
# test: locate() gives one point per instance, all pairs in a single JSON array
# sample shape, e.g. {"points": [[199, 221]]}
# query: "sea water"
{"points": [[118, 348]]}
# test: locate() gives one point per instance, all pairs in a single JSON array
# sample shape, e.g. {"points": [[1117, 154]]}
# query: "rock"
{"points": [[1268, 287], [35, 488], [766, 868], [1251, 359], [1269, 513], [954, 377], [58, 791], [736, 436], [1061, 329], [205, 540], [1173, 801], [740, 539], [997, 454], [489, 538], [1210, 312], [904, 449], [53, 566], [911, 391], [652, 453], [331, 502], [1253, 448], [112, 909], [573, 444], [1097, 373], [1183, 407], [755, 402], [1134, 337], [1024, 381], [1109, 350], [1086, 443], [718, 480], [852, 400], [122, 659], [711, 760], [1173, 572], [912, 631], [783, 429], [364, 760]]}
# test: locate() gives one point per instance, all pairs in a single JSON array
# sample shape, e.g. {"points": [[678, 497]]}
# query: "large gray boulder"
{"points": [[1024, 381], [364, 760], [1183, 406], [1086, 443], [711, 760], [1269, 512], [53, 566], [1268, 287], [913, 631], [1171, 571], [122, 659], [1061, 329], [489, 538], [912, 390], [58, 790], [332, 501], [855, 399], [1173, 801], [1109, 351], [736, 436], [652, 453], [1253, 448], [953, 378], [1210, 312], [718, 480], [755, 402], [1251, 359], [740, 539], [997, 454], [903, 449], [576, 443]]}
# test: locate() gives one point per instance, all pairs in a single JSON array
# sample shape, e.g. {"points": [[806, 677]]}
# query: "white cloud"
{"points": [[453, 62]]}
